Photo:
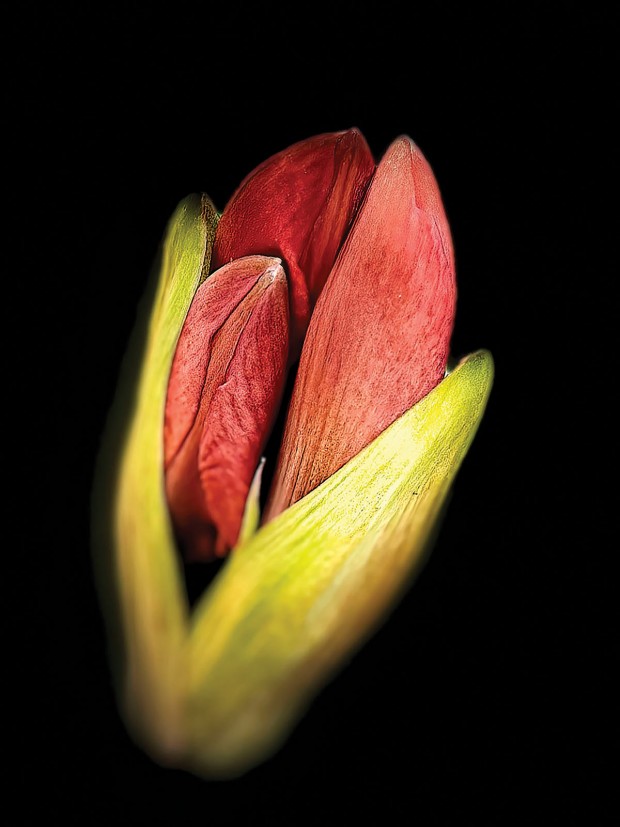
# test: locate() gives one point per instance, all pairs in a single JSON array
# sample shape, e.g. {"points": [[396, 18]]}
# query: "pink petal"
{"points": [[298, 205], [224, 390], [379, 337]]}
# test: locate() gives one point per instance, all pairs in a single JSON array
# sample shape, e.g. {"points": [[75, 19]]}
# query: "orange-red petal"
{"points": [[225, 387], [379, 337], [298, 205]]}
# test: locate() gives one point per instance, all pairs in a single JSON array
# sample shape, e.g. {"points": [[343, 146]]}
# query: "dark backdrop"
{"points": [[485, 697]]}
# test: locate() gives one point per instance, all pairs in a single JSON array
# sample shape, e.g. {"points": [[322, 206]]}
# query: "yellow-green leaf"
{"points": [[297, 598], [137, 566]]}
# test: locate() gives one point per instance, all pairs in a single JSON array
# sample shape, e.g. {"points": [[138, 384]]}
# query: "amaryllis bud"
{"points": [[379, 337], [224, 390], [375, 434], [298, 205]]}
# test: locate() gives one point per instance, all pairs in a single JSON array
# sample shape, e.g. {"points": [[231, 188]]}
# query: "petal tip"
{"points": [[274, 271], [402, 147]]}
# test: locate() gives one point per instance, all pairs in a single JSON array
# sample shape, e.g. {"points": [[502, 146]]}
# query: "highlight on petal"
{"points": [[225, 387], [135, 557], [300, 597], [298, 205], [379, 337]]}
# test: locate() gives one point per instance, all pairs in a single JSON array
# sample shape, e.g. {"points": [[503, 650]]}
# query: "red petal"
{"points": [[379, 337], [298, 205], [224, 390]]}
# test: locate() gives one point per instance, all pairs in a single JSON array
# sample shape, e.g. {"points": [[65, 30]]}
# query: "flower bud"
{"points": [[217, 689]]}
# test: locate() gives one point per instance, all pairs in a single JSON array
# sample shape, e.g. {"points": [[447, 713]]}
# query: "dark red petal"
{"points": [[224, 390], [379, 337], [298, 205]]}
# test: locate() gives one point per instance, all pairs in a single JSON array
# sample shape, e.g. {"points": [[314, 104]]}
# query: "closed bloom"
{"points": [[336, 276]]}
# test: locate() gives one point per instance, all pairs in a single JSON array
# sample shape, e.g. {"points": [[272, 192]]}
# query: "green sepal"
{"points": [[136, 562], [303, 593]]}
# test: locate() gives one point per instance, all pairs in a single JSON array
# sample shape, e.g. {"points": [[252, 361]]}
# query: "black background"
{"points": [[486, 696]]}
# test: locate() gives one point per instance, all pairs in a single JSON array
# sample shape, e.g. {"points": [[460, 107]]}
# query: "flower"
{"points": [[340, 275]]}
